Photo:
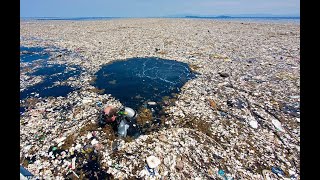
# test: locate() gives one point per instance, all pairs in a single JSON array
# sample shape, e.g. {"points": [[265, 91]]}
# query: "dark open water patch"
{"points": [[52, 73], [139, 80], [29, 54]]}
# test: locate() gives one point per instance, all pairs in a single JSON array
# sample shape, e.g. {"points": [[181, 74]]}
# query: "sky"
{"points": [[156, 8]]}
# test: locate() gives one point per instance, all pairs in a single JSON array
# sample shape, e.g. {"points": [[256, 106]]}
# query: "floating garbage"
{"points": [[278, 125], [74, 116], [222, 174], [122, 128], [253, 124], [60, 139], [99, 104], [268, 175], [151, 171], [151, 103], [89, 135], [153, 161], [277, 171], [129, 112], [25, 174], [94, 142], [73, 164]]}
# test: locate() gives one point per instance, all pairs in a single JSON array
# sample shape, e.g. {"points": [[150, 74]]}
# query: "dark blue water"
{"points": [[53, 73], [29, 54], [139, 80], [22, 109]]}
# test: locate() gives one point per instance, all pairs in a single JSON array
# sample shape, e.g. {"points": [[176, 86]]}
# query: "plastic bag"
{"points": [[122, 128]]}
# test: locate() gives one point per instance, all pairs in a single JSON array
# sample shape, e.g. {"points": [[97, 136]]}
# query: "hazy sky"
{"points": [[153, 8]]}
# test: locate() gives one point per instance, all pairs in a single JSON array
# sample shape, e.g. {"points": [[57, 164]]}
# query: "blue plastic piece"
{"points": [[221, 172], [151, 171], [277, 170], [25, 172]]}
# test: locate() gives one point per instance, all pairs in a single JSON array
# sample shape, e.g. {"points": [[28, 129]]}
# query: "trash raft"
{"points": [[86, 152]]}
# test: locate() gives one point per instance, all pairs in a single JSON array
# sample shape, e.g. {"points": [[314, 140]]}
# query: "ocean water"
{"points": [[295, 20], [29, 54], [52, 73], [281, 20], [137, 81]]}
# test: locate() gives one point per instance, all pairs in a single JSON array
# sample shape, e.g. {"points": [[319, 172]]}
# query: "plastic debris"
{"points": [[60, 139], [86, 101], [73, 164], [94, 142], [67, 116], [151, 103], [130, 113], [99, 104], [122, 128], [253, 124], [78, 147], [75, 174], [277, 171], [89, 135], [278, 125], [153, 161], [222, 174], [71, 150], [151, 171]]}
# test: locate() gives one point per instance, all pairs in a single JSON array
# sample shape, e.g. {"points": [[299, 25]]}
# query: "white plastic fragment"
{"points": [[94, 142], [253, 124], [60, 139], [78, 146], [89, 135], [277, 124], [153, 161], [73, 164], [152, 103]]}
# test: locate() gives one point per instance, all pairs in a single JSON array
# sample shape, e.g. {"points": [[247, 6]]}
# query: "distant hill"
{"points": [[234, 16]]}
